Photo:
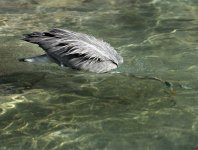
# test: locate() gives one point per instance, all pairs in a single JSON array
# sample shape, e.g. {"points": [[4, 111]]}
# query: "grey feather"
{"points": [[77, 50], [40, 58]]}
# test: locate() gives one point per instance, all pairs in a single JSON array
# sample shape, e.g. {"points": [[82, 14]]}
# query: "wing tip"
{"points": [[21, 59], [32, 37]]}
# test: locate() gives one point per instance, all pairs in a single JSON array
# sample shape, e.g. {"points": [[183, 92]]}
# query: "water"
{"points": [[43, 106]]}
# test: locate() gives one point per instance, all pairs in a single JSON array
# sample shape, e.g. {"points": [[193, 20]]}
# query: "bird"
{"points": [[75, 50]]}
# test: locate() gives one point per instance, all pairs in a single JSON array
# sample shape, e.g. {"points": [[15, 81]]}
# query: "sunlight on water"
{"points": [[43, 106]]}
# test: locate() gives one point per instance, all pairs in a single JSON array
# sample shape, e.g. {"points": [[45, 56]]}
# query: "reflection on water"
{"points": [[43, 106]]}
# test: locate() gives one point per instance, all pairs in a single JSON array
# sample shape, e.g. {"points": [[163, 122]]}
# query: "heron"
{"points": [[75, 50]]}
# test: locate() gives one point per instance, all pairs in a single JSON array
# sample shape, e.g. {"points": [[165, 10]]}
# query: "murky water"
{"points": [[43, 106]]}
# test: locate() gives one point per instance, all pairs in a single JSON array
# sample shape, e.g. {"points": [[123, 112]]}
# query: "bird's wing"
{"points": [[61, 44]]}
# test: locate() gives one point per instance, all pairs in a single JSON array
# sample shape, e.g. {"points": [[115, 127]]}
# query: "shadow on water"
{"points": [[43, 109]]}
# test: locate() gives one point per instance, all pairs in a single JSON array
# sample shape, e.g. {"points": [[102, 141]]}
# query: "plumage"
{"points": [[76, 50]]}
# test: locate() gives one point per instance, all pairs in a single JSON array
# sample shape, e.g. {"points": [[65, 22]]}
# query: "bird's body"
{"points": [[75, 50]]}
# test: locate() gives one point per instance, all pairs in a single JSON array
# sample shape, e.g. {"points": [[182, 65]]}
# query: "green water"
{"points": [[43, 106]]}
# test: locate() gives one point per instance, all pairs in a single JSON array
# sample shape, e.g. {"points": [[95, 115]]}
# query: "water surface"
{"points": [[43, 106]]}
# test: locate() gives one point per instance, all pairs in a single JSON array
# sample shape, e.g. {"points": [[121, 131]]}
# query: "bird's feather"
{"points": [[77, 50]]}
